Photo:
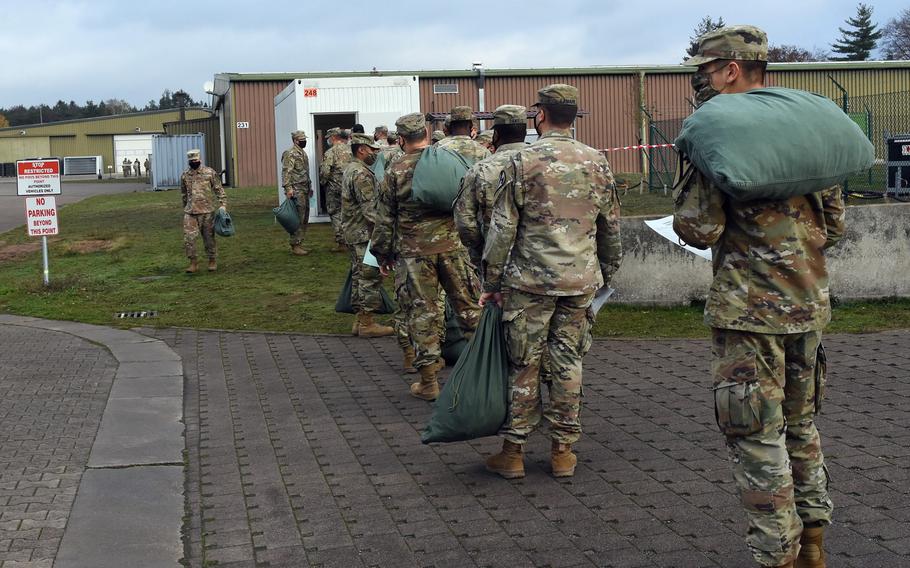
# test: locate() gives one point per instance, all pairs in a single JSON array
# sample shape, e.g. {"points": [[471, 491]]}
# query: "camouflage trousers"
{"points": [[424, 276], [303, 213], [366, 282], [195, 224], [333, 208], [401, 314], [554, 331], [767, 391]]}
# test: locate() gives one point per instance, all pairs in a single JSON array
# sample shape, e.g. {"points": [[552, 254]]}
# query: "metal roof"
{"points": [[105, 117]]}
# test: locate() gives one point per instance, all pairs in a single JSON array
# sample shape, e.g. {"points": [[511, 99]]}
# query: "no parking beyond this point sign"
{"points": [[41, 216], [38, 177]]}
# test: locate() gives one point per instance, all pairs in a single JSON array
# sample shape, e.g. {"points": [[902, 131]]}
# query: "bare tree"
{"points": [[896, 35], [786, 53]]}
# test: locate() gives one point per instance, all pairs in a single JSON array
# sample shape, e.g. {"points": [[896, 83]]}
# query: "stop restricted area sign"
{"points": [[38, 177], [41, 216]]}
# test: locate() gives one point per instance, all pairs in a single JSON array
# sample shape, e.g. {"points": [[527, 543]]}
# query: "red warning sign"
{"points": [[38, 177]]}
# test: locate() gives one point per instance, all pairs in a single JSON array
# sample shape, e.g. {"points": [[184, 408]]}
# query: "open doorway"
{"points": [[321, 124]]}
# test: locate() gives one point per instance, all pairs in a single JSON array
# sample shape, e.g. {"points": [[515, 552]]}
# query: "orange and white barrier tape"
{"points": [[640, 147]]}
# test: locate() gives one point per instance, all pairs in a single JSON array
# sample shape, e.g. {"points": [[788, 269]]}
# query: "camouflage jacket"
{"points": [[469, 149], [358, 202], [405, 228], [475, 200], [199, 189], [555, 224], [330, 172], [770, 274], [295, 169]]}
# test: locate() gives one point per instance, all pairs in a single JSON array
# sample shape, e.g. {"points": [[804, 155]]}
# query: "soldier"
{"points": [[478, 188], [137, 168], [358, 210], [553, 242], [200, 186], [485, 139], [295, 178], [459, 138], [425, 244], [357, 128], [148, 167], [393, 138], [330, 172], [767, 306], [126, 167], [438, 135], [381, 135]]}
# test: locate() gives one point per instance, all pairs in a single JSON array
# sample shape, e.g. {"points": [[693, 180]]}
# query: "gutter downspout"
{"points": [[643, 133], [481, 107]]}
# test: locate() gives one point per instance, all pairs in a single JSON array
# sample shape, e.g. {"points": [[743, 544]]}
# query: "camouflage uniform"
{"points": [[137, 168], [295, 175], [478, 188], [553, 242], [469, 149], [485, 139], [148, 167], [358, 208], [200, 188], [767, 306], [425, 246], [126, 167], [438, 135], [330, 172]]}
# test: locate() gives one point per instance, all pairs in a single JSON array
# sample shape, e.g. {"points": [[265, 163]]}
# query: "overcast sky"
{"points": [[104, 49]]}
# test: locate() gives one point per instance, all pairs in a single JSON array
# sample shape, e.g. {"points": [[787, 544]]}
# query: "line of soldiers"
{"points": [[135, 167], [535, 229]]}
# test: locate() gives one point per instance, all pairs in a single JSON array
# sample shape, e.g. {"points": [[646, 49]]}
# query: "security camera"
{"points": [[21, 133], [137, 129]]}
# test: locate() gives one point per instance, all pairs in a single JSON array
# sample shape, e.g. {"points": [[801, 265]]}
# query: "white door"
{"points": [[375, 101], [132, 147]]}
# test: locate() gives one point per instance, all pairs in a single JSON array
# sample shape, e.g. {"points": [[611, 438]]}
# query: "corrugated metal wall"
{"points": [[254, 102], [85, 146], [12, 149], [467, 94], [169, 157], [209, 128]]}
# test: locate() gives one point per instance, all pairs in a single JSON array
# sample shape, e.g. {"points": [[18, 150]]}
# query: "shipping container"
{"points": [[169, 158]]}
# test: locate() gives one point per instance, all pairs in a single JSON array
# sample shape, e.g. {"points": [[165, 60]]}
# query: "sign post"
{"points": [[35, 180]]}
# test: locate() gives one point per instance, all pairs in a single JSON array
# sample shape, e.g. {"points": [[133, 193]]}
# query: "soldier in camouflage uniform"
{"points": [[200, 186], [767, 306], [295, 179], [553, 242], [358, 208], [126, 167], [425, 245], [438, 135], [478, 188], [148, 167], [459, 139], [381, 135], [485, 139], [330, 172], [392, 138]]}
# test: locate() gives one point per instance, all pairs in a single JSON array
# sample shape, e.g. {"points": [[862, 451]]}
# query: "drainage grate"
{"points": [[143, 314]]}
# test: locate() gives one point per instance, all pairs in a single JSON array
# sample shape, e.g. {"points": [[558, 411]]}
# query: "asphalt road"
{"points": [[12, 207]]}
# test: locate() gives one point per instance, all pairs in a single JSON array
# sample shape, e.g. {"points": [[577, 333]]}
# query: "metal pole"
{"points": [[47, 272]]}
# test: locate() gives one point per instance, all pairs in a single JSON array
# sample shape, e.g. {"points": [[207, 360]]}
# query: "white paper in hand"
{"points": [[664, 228], [368, 257], [600, 298]]}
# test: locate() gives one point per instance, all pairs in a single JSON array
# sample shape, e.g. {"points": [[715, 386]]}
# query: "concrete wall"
{"points": [[872, 261]]}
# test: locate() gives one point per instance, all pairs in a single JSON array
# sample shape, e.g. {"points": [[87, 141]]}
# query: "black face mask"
{"points": [[701, 84], [301, 143], [195, 165], [534, 120]]}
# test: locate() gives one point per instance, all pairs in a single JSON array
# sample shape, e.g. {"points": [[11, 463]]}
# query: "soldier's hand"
{"points": [[290, 193], [495, 297], [223, 208]]}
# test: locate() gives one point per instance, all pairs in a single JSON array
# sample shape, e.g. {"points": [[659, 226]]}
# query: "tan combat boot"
{"points": [[193, 267], [355, 327], [811, 553], [427, 388], [562, 460], [367, 326], [509, 463], [213, 266], [299, 250], [408, 363]]}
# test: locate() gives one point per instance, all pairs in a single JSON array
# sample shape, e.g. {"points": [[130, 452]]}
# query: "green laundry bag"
{"points": [[774, 143], [454, 342], [224, 225], [378, 167], [286, 214], [343, 304], [437, 177], [474, 401]]}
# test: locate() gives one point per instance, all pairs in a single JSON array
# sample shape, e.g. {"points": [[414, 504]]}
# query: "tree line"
{"points": [[858, 39], [19, 115]]}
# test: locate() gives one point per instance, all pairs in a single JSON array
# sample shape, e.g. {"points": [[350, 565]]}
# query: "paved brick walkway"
{"points": [[304, 451], [53, 390]]}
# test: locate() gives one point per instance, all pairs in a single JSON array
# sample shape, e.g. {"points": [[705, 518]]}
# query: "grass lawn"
{"points": [[125, 253]]}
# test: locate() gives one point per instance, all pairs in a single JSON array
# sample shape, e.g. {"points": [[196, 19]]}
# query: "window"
{"points": [[445, 88]]}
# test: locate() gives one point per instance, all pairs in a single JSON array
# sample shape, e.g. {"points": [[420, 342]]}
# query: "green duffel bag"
{"points": [[437, 177], [378, 167], [474, 401], [454, 342], [343, 303], [224, 225], [774, 143], [286, 214]]}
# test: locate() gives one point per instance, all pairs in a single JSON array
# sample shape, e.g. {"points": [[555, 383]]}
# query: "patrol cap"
{"points": [[381, 128], [360, 138], [412, 123], [344, 133], [194, 154], [461, 113], [510, 114], [485, 137], [438, 135], [298, 135], [393, 136], [447, 122], [557, 94], [745, 43], [334, 131]]}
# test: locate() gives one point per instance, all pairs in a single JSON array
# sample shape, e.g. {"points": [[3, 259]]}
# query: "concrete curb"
{"points": [[130, 502]]}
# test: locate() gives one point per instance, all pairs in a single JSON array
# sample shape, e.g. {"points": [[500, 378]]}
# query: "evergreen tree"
{"points": [[707, 24], [857, 43]]}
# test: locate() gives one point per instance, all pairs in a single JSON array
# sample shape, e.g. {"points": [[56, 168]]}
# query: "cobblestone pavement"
{"points": [[53, 391], [304, 451]]}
